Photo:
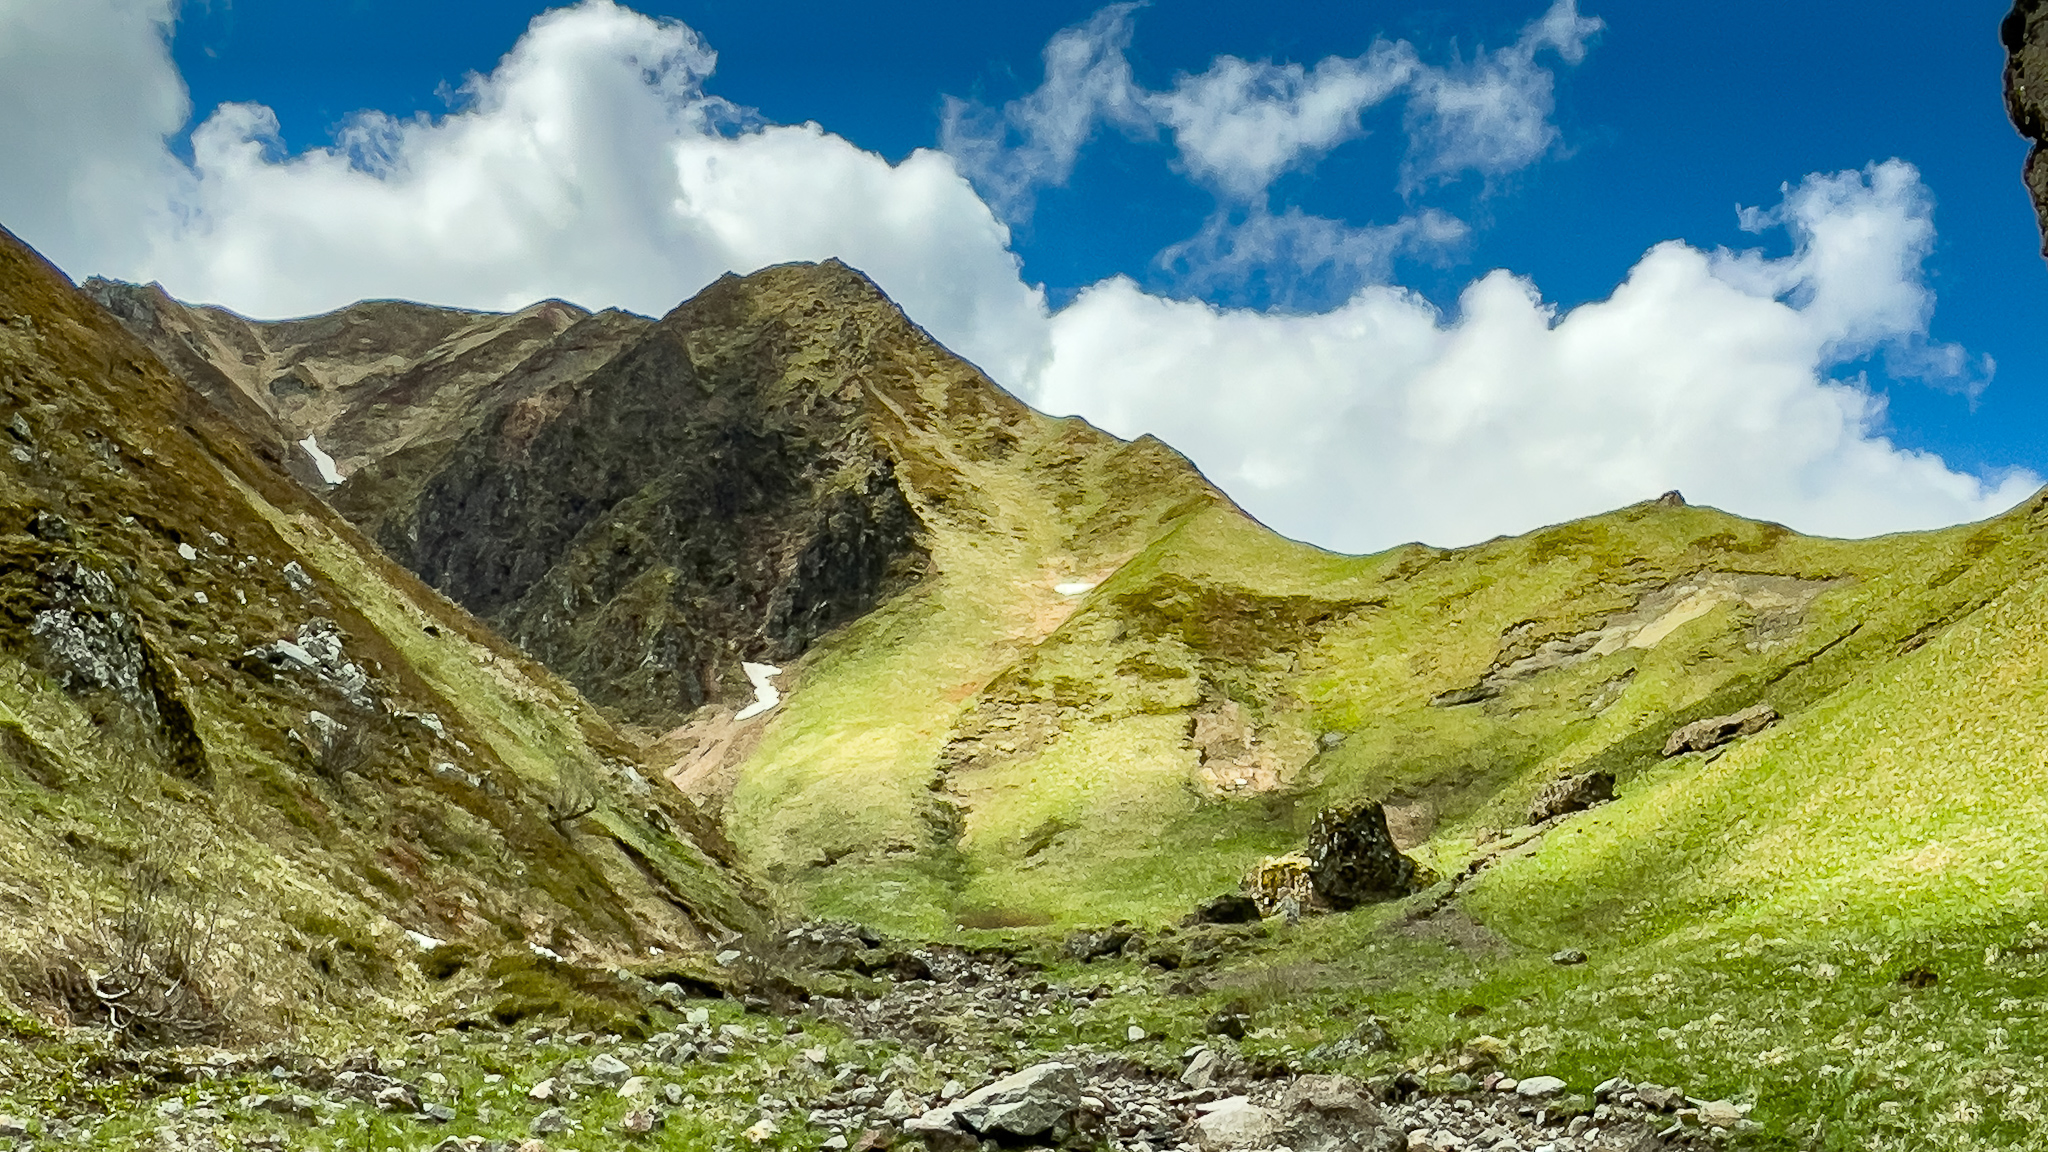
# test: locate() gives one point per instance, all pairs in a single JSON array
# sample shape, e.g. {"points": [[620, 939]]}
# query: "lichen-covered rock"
{"points": [[1714, 731], [1282, 883], [1352, 859]]}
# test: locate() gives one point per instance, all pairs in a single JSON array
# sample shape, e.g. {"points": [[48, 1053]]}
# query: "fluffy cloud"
{"points": [[1239, 125], [1491, 115], [87, 95], [591, 164], [1298, 259], [1383, 421], [1033, 141]]}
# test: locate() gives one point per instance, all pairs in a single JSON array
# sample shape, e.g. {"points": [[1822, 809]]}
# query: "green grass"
{"points": [[1749, 913]]}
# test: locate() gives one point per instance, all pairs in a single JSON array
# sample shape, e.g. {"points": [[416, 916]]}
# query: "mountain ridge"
{"points": [[216, 690]]}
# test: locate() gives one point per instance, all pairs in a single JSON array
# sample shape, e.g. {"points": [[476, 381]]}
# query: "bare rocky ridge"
{"points": [[2025, 36]]}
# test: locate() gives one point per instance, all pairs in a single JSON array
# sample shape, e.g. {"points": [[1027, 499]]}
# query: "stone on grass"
{"points": [[1714, 731], [1353, 860], [1722, 1113], [1537, 1087], [609, 1069], [549, 1123], [1230, 908], [1572, 794]]}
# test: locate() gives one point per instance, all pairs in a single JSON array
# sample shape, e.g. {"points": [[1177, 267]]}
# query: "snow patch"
{"points": [[765, 695], [321, 460], [1072, 589]]}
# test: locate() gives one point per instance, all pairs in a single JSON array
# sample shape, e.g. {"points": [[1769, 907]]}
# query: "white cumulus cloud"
{"points": [[1239, 124], [1383, 421], [589, 164], [592, 164]]}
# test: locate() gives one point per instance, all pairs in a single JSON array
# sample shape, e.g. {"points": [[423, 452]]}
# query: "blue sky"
{"points": [[1673, 117]]}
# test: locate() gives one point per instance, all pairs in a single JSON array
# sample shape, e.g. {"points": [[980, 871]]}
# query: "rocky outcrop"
{"points": [[716, 493], [2025, 35], [246, 714], [1714, 731]]}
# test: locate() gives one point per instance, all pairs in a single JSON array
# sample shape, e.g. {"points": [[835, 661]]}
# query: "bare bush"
{"points": [[145, 970]]}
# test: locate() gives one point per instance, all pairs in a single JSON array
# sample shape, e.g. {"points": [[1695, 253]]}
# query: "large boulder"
{"points": [[1335, 1114], [1040, 1100], [1572, 794], [1714, 731], [1315, 1114], [1352, 859], [1235, 1123]]}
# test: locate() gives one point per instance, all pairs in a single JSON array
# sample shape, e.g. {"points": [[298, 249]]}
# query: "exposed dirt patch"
{"points": [[1771, 610]]}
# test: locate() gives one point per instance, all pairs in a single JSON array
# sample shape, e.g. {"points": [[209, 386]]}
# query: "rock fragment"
{"points": [[1572, 794], [1353, 860], [1714, 731]]}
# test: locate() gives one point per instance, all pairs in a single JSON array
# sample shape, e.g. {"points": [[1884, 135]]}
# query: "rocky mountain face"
{"points": [[244, 756], [2025, 36], [720, 491], [646, 505]]}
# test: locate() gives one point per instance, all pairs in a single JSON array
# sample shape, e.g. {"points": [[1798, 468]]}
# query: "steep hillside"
{"points": [[234, 736], [769, 461], [2025, 35]]}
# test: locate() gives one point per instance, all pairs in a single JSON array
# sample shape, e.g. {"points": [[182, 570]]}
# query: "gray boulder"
{"points": [[1714, 731], [1027, 1103], [1233, 1124], [1572, 794], [1335, 1114]]}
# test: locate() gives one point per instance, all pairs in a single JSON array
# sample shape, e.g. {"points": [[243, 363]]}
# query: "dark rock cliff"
{"points": [[714, 493], [2025, 34]]}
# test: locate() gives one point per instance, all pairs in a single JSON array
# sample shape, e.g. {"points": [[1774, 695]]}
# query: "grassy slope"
{"points": [[311, 878], [1748, 913]]}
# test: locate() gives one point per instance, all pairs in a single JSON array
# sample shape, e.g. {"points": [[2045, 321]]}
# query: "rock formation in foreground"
{"points": [[2025, 36]]}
